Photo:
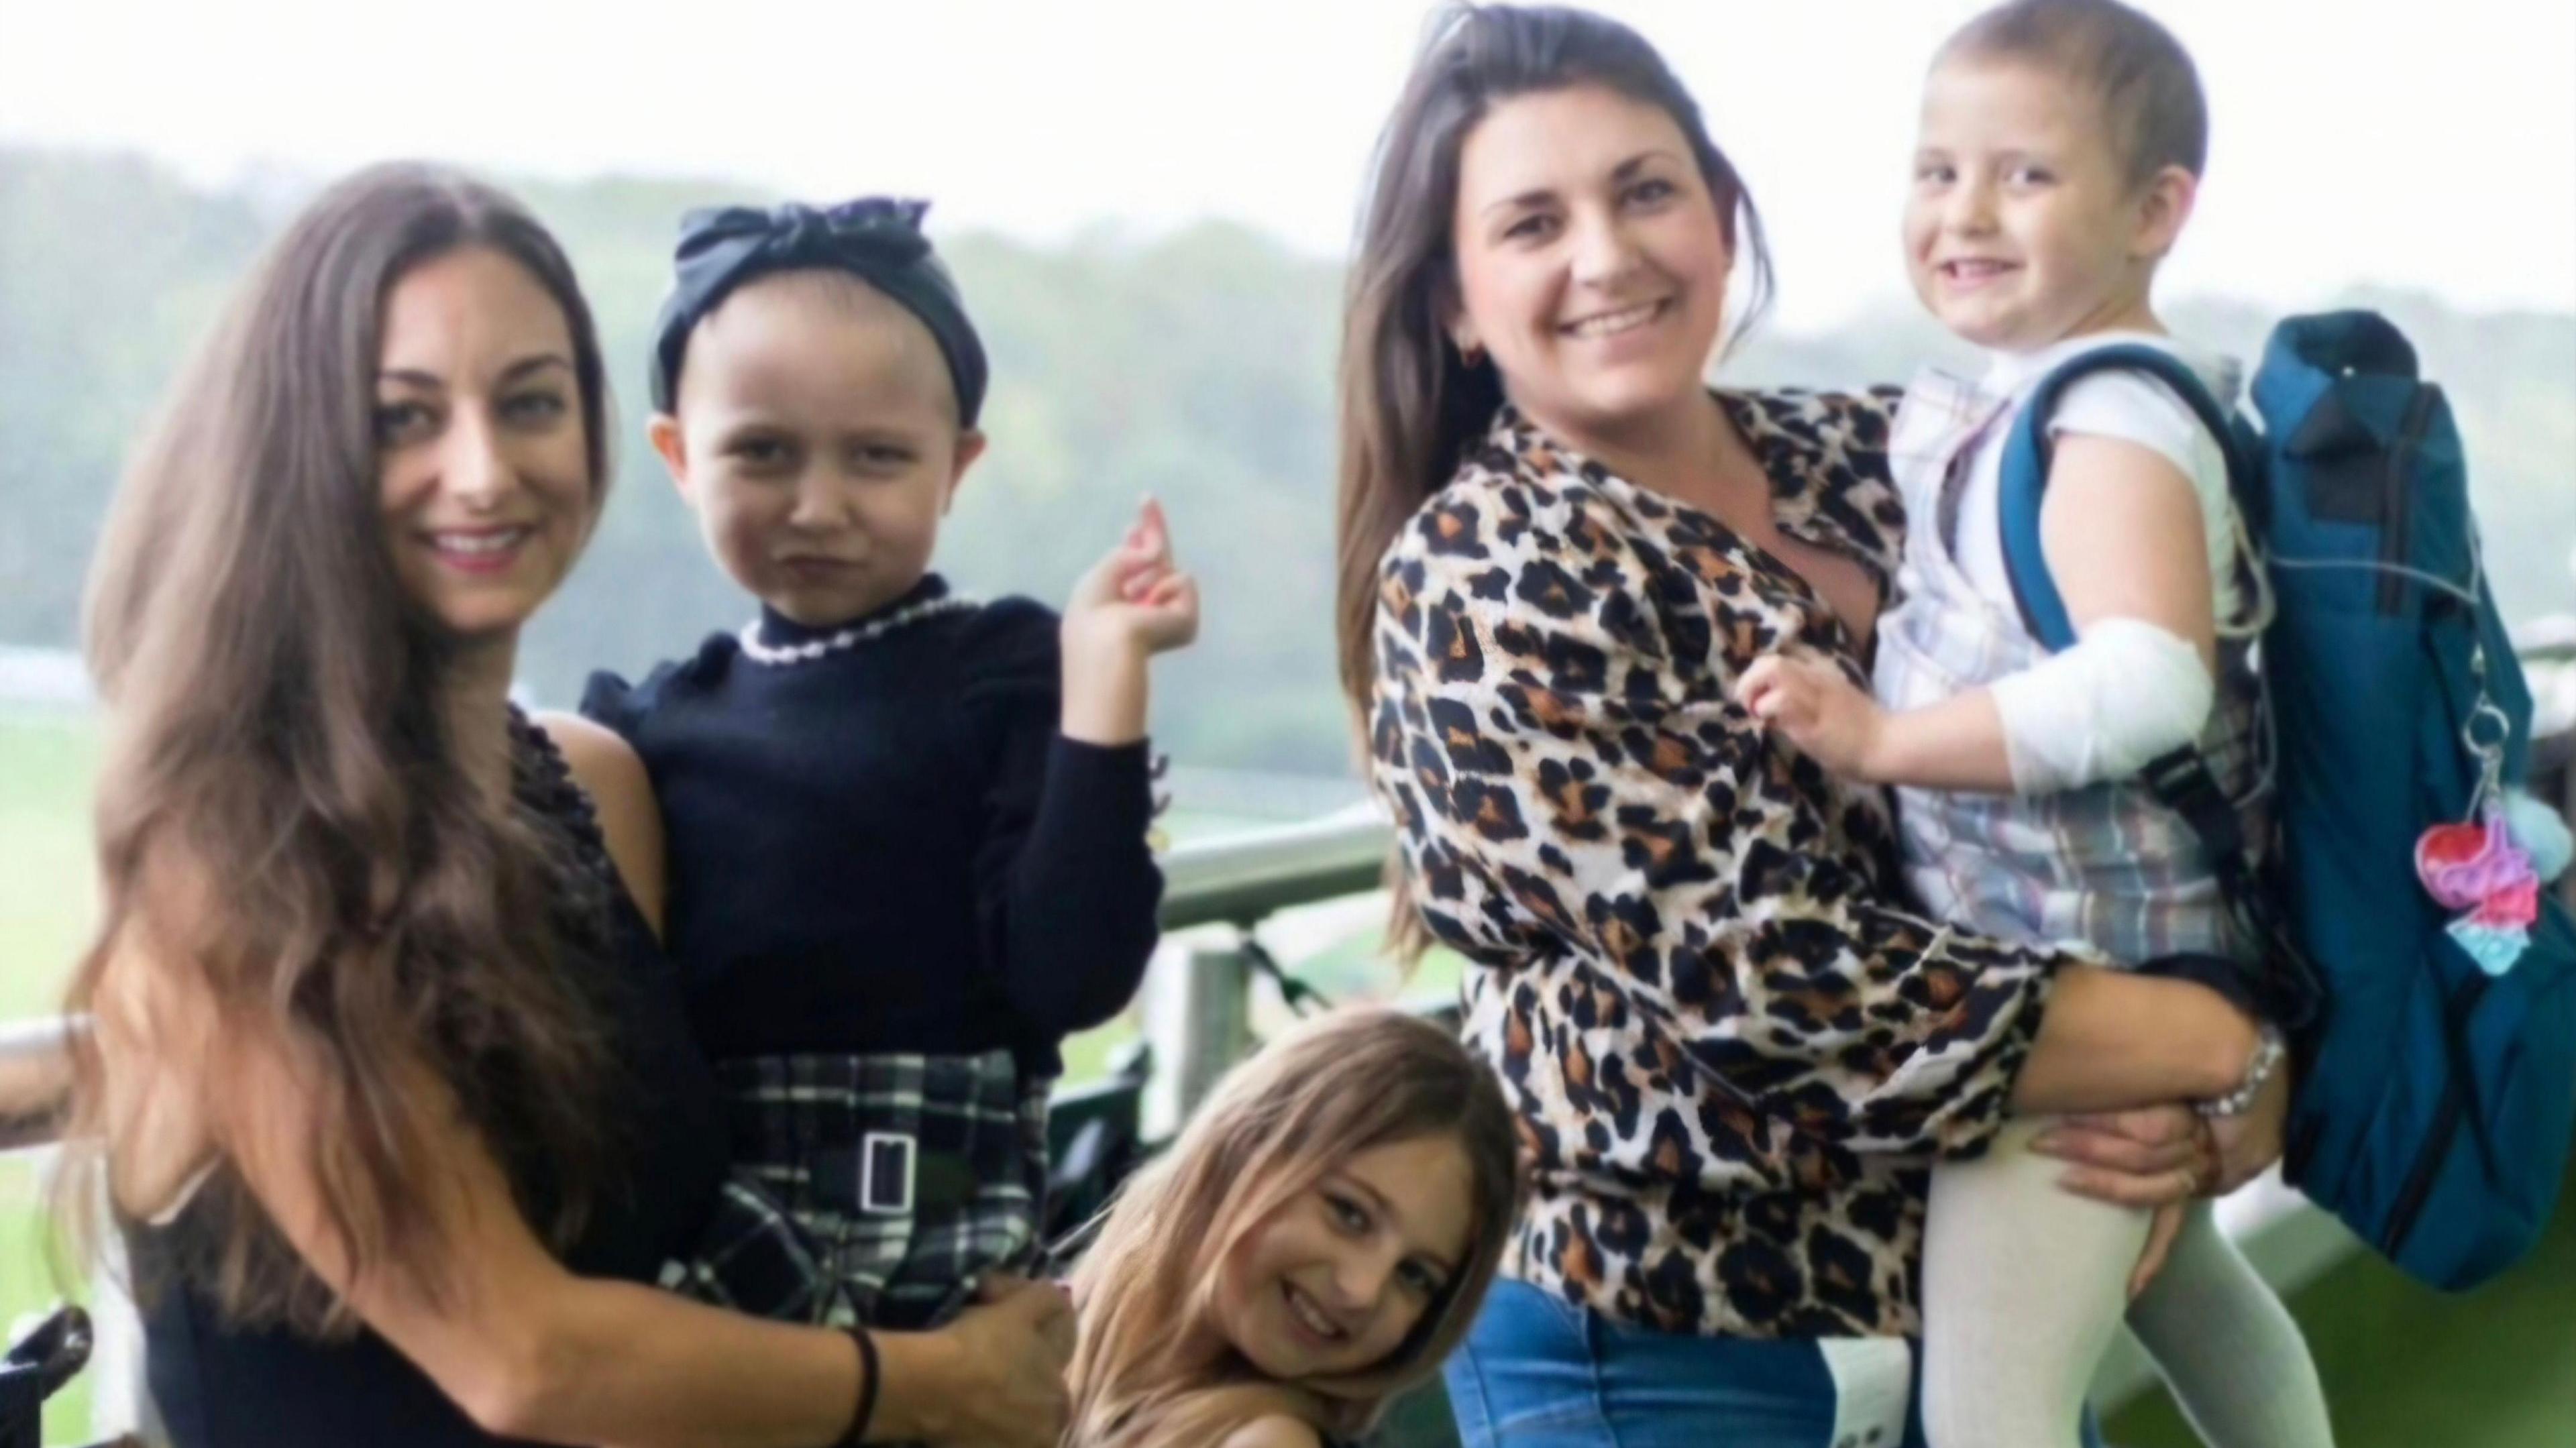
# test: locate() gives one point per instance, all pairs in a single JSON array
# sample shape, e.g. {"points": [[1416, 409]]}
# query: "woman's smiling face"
{"points": [[482, 442], [1591, 257]]}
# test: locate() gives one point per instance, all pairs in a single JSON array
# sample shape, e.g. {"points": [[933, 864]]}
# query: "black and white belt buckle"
{"points": [[888, 1163]]}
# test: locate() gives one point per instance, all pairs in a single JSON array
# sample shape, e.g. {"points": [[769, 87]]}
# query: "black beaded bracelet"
{"points": [[866, 1410]]}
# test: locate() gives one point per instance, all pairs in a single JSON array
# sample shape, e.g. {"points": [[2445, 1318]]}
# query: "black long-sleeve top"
{"points": [[892, 846]]}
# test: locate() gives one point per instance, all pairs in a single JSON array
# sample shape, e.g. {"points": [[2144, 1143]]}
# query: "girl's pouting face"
{"points": [[1591, 258], [816, 435], [483, 463], [1332, 1282]]}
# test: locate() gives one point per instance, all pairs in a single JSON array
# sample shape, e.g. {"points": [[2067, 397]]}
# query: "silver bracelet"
{"points": [[2270, 1050]]}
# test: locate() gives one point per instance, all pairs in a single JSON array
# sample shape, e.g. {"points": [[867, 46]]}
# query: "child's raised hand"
{"points": [[1133, 604], [1136, 599], [1810, 702]]}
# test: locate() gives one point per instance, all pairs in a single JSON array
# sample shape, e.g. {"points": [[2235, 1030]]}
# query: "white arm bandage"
{"points": [[2127, 692]]}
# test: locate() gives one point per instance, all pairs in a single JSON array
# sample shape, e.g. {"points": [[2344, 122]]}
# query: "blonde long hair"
{"points": [[1333, 1087]]}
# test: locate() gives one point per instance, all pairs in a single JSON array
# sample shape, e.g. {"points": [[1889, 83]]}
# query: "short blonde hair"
{"points": [[2148, 88]]}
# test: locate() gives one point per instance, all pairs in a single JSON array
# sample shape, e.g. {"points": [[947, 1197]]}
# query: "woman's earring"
{"points": [[1469, 353]]}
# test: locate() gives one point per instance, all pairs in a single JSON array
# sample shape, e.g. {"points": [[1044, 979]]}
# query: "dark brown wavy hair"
{"points": [[283, 822], [1409, 402]]}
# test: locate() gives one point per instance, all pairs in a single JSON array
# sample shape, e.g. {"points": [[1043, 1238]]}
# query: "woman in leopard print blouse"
{"points": [[1730, 1054]]}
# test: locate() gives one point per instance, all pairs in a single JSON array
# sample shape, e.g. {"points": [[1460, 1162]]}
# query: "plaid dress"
{"points": [[2106, 864], [876, 1189]]}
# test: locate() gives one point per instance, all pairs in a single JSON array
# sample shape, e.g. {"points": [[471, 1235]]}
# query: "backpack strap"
{"points": [[2028, 451], [2180, 779]]}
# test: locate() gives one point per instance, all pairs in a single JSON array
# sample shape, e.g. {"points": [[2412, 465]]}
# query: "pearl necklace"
{"points": [[848, 638]]}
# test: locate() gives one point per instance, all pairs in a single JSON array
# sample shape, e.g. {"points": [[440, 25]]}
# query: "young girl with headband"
{"points": [[907, 847]]}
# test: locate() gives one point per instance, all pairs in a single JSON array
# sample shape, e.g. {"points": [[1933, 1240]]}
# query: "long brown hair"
{"points": [[1345, 1083], [1409, 402], [283, 819]]}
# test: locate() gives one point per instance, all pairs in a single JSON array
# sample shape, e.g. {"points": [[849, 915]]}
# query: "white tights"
{"points": [[2024, 1284]]}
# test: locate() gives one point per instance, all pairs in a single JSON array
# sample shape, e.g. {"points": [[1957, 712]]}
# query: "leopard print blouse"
{"points": [[1731, 1057]]}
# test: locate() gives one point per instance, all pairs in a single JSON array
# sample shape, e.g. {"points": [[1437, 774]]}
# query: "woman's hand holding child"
{"points": [[1010, 1353], [2164, 1158]]}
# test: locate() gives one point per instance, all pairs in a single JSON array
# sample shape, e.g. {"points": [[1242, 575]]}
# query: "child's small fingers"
{"points": [[1143, 578], [1147, 533], [1785, 697], [1144, 547]]}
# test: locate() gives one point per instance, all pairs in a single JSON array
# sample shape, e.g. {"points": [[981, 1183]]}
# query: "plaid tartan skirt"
{"points": [[875, 1189]]}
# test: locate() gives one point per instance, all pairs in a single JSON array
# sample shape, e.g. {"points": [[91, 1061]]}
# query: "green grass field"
{"points": [[47, 897]]}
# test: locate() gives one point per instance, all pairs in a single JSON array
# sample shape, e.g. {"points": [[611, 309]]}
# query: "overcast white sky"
{"points": [[2430, 145]]}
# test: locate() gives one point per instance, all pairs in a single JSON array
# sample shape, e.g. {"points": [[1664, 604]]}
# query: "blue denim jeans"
{"points": [[1539, 1372]]}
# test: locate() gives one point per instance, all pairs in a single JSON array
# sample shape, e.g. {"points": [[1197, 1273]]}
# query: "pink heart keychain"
{"points": [[2462, 865], [2481, 871]]}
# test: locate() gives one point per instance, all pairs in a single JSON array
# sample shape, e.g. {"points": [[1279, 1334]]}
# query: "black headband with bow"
{"points": [[876, 239]]}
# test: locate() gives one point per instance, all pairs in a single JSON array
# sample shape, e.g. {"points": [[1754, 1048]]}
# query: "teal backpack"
{"points": [[2436, 1037]]}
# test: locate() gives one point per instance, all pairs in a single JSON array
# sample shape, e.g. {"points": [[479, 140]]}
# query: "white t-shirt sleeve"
{"points": [[2133, 407], [2140, 409]]}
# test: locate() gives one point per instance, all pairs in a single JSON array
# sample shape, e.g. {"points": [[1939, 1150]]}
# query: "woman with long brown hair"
{"points": [[388, 1082], [1314, 1244], [1730, 1051]]}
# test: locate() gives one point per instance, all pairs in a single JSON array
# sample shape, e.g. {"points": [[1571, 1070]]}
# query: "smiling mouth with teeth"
{"points": [[1974, 271], [486, 543], [479, 551], [1610, 324], [1310, 1316]]}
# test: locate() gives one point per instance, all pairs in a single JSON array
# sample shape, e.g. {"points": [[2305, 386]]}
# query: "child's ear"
{"points": [[663, 431], [970, 446], [2163, 206]]}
